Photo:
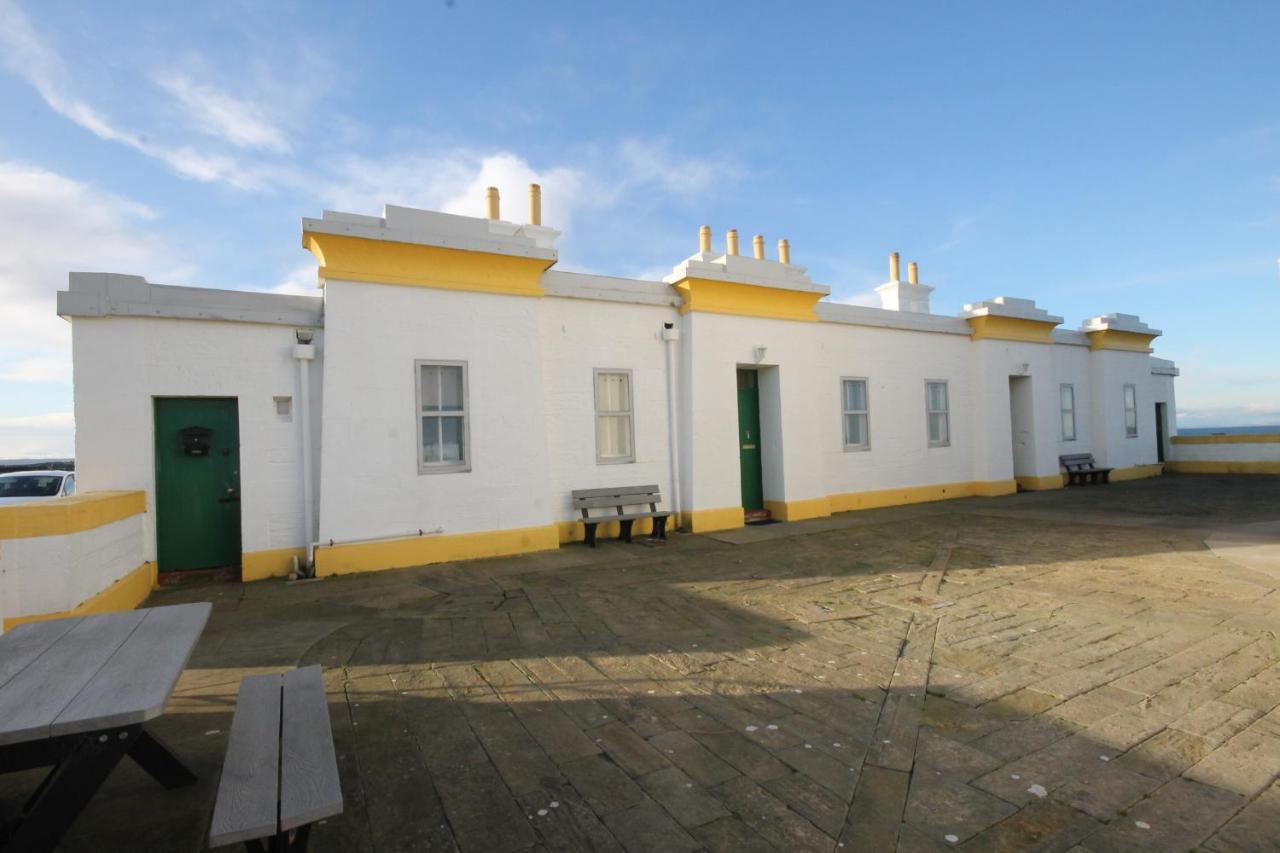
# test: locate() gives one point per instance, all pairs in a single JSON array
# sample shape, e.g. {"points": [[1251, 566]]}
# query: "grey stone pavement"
{"points": [[1073, 670]]}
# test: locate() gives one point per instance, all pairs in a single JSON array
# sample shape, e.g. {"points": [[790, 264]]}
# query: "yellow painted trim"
{"points": [[748, 300], [388, 262], [1221, 467], [61, 516], [1117, 340], [1040, 484], [573, 531], [1137, 472], [1242, 438], [711, 520], [422, 550], [125, 594], [920, 494], [999, 328], [799, 510], [276, 563]]}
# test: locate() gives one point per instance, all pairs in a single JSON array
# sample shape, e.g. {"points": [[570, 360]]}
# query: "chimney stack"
{"points": [[913, 273], [909, 295], [784, 252], [704, 240], [757, 245], [535, 204], [491, 199], [894, 270], [731, 241]]}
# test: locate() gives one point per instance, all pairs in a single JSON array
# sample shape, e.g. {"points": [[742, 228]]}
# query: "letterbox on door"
{"points": [[195, 440]]}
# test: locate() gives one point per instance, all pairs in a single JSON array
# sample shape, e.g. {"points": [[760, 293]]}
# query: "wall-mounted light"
{"points": [[304, 336], [758, 351]]}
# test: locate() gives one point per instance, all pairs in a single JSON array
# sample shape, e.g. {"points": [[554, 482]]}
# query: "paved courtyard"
{"points": [[1071, 670]]}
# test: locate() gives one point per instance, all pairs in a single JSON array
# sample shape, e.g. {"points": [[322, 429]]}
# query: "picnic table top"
{"points": [[67, 676]]}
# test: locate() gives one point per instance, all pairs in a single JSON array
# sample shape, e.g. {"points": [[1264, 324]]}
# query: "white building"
{"points": [[450, 388]]}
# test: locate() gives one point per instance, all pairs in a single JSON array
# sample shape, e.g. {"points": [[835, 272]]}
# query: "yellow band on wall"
{"points": [[994, 327], [423, 550], [1117, 340], [277, 563], [60, 516], [1137, 472], [746, 300], [125, 594], [1222, 467], [1242, 438]]}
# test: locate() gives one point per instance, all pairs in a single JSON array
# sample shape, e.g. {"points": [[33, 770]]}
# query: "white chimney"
{"points": [[910, 295]]}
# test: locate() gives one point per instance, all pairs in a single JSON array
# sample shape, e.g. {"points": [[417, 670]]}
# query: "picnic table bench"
{"points": [[1081, 468], [75, 695], [280, 774], [618, 498]]}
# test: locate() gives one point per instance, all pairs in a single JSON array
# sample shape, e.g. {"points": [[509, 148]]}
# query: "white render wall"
{"points": [[122, 363], [52, 574]]}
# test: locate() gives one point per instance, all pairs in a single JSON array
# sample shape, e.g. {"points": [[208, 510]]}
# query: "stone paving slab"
{"points": [[1070, 670]]}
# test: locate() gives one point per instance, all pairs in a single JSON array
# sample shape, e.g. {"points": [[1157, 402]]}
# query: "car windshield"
{"points": [[29, 486]]}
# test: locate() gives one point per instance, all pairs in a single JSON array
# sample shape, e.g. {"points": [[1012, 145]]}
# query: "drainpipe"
{"points": [[304, 351], [670, 335]]}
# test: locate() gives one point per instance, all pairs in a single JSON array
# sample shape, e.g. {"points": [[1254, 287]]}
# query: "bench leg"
{"points": [[1106, 477], [590, 537], [625, 534], [660, 527], [156, 758]]}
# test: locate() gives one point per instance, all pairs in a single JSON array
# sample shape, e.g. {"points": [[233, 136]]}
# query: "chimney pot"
{"points": [[731, 241], [894, 270], [913, 273], [757, 245], [491, 199], [704, 240], [784, 251], [535, 204]]}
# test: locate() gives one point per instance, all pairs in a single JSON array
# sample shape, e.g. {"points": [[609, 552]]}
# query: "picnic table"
{"points": [[75, 694]]}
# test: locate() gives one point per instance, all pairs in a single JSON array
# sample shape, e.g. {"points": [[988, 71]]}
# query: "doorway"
{"points": [[197, 483], [749, 444], [1022, 429], [1160, 430]]}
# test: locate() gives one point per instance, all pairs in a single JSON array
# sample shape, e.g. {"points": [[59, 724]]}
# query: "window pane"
{"points": [[453, 435], [938, 428], [451, 387], [937, 397], [1068, 398], [1129, 397], [855, 430], [855, 395], [430, 440], [430, 381], [613, 436], [1068, 426], [613, 392]]}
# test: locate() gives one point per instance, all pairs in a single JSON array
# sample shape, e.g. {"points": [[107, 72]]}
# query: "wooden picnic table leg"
{"points": [[68, 789], [159, 761]]}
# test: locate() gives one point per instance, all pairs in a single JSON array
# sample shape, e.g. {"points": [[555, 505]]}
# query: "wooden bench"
{"points": [[280, 774], [618, 499], [1081, 468]]}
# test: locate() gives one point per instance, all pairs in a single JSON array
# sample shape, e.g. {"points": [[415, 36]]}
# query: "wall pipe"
{"points": [[304, 352], [670, 335]]}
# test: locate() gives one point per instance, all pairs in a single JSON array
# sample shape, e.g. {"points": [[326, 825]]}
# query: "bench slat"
{"points": [[614, 490], [248, 792], [616, 500], [309, 784]]}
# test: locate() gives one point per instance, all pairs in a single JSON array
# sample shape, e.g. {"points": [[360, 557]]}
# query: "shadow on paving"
{"points": [[984, 674]]}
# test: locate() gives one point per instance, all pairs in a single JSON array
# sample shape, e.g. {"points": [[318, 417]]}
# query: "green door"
{"points": [[749, 440], [197, 483]]}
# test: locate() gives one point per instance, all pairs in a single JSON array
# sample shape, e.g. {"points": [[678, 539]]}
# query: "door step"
{"points": [[758, 516]]}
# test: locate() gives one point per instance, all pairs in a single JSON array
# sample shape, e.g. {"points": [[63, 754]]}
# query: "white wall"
{"points": [[52, 574], [121, 363], [1110, 371], [370, 485]]}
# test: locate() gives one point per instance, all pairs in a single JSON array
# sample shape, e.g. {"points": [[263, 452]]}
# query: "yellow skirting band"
{"points": [[422, 550], [61, 516], [125, 594], [1040, 484], [1223, 467], [277, 563], [1137, 472], [711, 520]]}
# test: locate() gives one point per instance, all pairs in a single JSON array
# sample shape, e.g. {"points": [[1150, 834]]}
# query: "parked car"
{"points": [[25, 486]]}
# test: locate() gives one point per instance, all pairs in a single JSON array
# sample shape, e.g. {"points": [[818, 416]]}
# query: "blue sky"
{"points": [[1096, 157]]}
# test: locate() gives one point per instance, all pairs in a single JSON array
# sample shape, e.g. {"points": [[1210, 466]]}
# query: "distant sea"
{"points": [[1245, 430]]}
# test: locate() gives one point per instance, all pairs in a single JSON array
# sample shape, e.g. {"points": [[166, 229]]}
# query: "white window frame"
{"points": [[866, 415], [1064, 411], [425, 467], [945, 412], [1130, 389], [630, 413]]}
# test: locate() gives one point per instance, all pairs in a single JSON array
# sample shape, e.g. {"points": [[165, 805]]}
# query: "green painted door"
{"points": [[749, 440], [197, 483]]}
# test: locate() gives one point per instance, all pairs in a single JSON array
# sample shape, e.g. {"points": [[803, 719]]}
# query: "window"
{"points": [[938, 411], [613, 417], [442, 417], [854, 405], [1068, 394], [284, 408], [1130, 411]]}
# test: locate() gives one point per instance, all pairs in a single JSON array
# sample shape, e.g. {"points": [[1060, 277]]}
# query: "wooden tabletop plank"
{"points": [[134, 684], [33, 699], [22, 645], [248, 792], [309, 784]]}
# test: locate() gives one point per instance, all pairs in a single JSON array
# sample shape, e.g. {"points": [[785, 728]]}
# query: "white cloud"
{"points": [[867, 299], [27, 55], [301, 281], [45, 369], [210, 110], [38, 436]]}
